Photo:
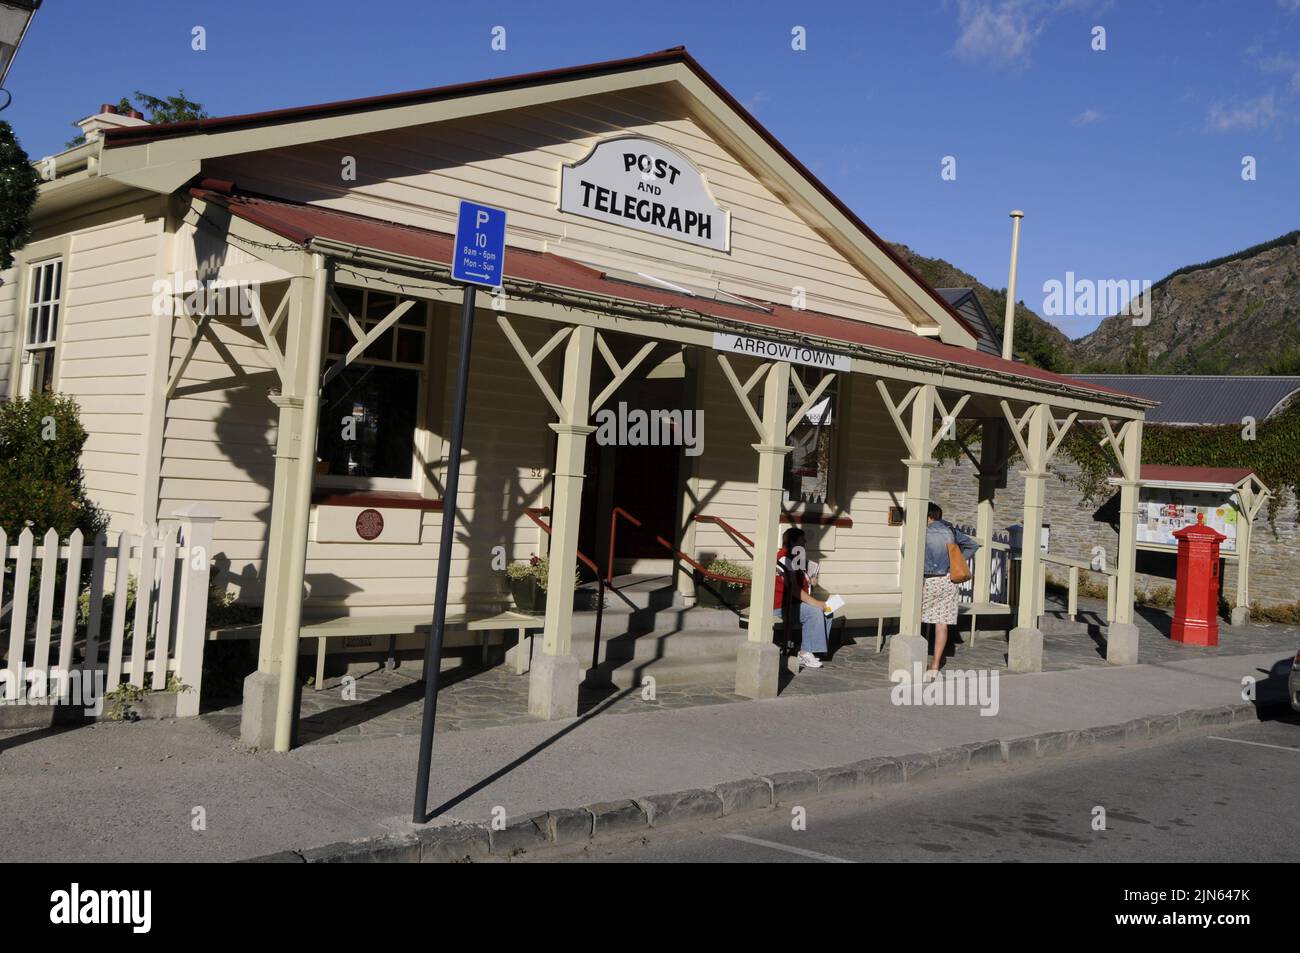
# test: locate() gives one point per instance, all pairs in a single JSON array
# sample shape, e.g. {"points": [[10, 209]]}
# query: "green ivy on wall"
{"points": [[1274, 453]]}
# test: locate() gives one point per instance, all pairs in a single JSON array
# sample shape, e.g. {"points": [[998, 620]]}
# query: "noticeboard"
{"points": [[1162, 512]]}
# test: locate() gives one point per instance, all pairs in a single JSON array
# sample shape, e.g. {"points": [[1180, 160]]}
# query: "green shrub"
{"points": [[41, 483], [224, 611], [1282, 614]]}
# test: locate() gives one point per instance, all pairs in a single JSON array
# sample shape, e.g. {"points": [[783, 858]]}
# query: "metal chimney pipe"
{"points": [[1008, 323]]}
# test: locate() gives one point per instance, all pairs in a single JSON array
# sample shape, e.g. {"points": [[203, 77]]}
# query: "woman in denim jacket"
{"points": [[939, 592]]}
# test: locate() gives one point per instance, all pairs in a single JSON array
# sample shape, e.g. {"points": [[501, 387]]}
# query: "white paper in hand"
{"points": [[834, 604]]}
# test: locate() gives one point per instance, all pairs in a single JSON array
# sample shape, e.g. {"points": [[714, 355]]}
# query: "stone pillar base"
{"points": [[905, 653], [257, 717], [1240, 615], [553, 686], [1122, 643], [1025, 650], [758, 666]]}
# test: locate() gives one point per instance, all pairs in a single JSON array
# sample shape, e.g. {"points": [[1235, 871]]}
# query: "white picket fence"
{"points": [[170, 566]]}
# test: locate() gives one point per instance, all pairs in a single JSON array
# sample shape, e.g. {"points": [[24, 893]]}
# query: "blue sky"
{"points": [[1127, 162]]}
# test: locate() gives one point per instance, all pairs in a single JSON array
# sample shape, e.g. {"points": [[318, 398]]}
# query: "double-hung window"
{"points": [[44, 310], [370, 413]]}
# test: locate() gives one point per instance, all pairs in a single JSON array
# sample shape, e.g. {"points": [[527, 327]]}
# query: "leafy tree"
{"points": [[19, 182], [177, 108], [40, 467], [1137, 360]]}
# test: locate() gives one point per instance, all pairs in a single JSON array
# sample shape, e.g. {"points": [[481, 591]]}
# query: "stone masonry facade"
{"points": [[1076, 527]]}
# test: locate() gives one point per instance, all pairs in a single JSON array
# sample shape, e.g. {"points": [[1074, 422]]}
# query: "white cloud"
{"points": [[999, 31], [1286, 65], [1241, 115], [1085, 117], [1290, 6]]}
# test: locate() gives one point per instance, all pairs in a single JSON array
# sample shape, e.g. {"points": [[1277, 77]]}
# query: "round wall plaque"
{"points": [[370, 523]]}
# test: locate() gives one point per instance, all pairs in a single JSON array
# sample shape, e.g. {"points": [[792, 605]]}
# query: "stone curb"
{"points": [[534, 834]]}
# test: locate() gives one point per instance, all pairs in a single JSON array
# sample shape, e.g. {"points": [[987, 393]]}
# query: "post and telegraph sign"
{"points": [[643, 184]]}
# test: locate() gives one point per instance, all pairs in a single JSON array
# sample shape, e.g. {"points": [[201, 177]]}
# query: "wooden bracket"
{"points": [[198, 330], [1058, 433], [364, 338], [1116, 443], [265, 327], [808, 397], [947, 418], [621, 373], [896, 412], [742, 391], [1017, 425], [532, 363]]}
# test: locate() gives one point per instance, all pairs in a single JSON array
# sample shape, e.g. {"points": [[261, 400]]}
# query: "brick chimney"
{"points": [[109, 118]]}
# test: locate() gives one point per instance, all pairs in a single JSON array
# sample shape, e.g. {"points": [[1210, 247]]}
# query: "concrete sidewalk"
{"points": [[134, 791]]}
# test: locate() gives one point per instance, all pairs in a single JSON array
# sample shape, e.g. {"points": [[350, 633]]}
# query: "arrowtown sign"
{"points": [[643, 184]]}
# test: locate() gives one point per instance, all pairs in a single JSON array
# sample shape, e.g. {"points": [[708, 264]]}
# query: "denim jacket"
{"points": [[937, 537]]}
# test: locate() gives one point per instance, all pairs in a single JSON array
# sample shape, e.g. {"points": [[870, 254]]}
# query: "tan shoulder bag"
{"points": [[958, 571]]}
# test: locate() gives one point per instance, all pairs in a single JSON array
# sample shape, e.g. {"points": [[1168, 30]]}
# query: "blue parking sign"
{"points": [[480, 251]]}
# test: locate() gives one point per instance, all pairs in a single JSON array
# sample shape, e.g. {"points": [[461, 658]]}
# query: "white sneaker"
{"points": [[808, 660]]}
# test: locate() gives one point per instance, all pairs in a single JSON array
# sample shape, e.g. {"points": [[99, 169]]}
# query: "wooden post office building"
{"points": [[256, 312]]}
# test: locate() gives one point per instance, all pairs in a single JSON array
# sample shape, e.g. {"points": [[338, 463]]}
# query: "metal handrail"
{"points": [[726, 527], [613, 531], [707, 573], [535, 514], [677, 553]]}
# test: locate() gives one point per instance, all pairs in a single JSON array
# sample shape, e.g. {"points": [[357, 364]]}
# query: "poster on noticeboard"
{"points": [[1162, 512]]}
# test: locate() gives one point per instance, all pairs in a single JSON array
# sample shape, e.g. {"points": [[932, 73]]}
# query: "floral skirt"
{"points": [[939, 600]]}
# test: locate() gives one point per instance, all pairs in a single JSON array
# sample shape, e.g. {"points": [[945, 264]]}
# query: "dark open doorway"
{"points": [[640, 477]]}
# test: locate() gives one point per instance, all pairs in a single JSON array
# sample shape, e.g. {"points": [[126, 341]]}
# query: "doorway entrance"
{"points": [[639, 471]]}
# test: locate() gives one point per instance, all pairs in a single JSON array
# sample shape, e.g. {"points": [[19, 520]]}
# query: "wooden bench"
{"points": [[324, 629], [862, 607], [877, 606]]}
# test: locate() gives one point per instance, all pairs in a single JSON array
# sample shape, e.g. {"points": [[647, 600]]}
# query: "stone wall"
{"points": [[1077, 526]]}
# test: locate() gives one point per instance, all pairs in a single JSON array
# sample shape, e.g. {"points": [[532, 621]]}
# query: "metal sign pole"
{"points": [[433, 650]]}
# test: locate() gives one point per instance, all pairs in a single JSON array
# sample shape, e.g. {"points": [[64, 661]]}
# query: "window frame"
{"points": [[417, 481], [834, 487], [26, 262]]}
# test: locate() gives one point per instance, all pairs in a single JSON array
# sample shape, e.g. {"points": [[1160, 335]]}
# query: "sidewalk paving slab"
{"points": [[130, 791]]}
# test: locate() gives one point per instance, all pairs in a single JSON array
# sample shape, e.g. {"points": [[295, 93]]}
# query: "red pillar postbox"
{"points": [[1196, 600]]}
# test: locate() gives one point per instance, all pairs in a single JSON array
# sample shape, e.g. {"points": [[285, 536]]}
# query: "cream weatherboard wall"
{"points": [[867, 473], [104, 349], [218, 447], [512, 160]]}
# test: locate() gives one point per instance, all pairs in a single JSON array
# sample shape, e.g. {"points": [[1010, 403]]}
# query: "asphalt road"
{"points": [[1230, 796]]}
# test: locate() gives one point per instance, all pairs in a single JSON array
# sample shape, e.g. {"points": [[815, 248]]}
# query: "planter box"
{"points": [[528, 595], [715, 594]]}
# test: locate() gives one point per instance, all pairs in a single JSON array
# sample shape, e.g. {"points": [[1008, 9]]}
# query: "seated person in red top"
{"points": [[792, 559]]}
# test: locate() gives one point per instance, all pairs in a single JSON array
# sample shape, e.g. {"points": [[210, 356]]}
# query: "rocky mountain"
{"points": [[1239, 314]]}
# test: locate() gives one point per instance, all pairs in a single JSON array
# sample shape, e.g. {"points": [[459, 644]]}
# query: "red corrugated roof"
{"points": [[1161, 473], [301, 223]]}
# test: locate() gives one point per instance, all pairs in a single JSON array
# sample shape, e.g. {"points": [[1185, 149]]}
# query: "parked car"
{"points": [[1293, 682]]}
